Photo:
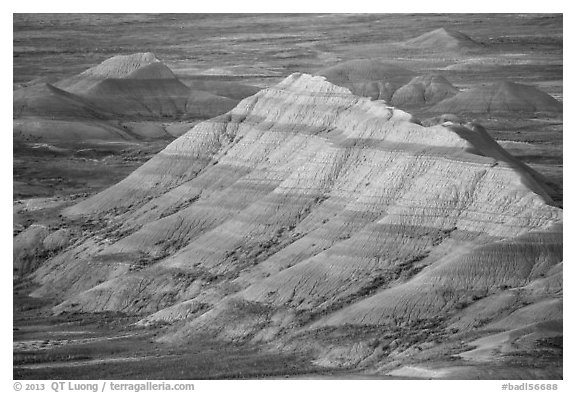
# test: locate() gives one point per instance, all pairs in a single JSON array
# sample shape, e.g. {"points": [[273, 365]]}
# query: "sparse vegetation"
{"points": [[311, 225]]}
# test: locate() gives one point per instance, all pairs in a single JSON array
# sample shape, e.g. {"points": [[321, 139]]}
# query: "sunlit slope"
{"points": [[126, 88], [307, 208], [443, 39]]}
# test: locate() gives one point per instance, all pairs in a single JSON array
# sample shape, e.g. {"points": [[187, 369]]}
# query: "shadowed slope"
{"points": [[201, 104], [47, 100], [135, 98], [307, 209], [134, 66], [369, 78], [458, 278], [423, 90], [135, 87], [233, 90], [46, 112]]}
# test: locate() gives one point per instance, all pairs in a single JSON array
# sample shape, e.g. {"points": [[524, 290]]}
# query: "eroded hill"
{"points": [[127, 97], [443, 39], [502, 97], [311, 219]]}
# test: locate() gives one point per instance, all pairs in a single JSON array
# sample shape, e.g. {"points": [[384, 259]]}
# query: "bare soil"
{"points": [[260, 50], [110, 346]]}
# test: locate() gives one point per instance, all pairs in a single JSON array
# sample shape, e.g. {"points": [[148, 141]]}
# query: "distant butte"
{"points": [[499, 97], [136, 87], [443, 39]]}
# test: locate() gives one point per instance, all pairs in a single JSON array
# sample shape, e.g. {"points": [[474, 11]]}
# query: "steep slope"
{"points": [[136, 87], [47, 100], [499, 97], [134, 98], [368, 78], [314, 219], [443, 40], [423, 90], [134, 66], [132, 85], [46, 112]]}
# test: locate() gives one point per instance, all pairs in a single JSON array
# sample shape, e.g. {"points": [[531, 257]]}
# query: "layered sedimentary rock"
{"points": [[136, 87], [26, 247], [395, 85], [142, 66], [311, 218], [45, 111], [499, 97], [368, 78], [423, 90]]}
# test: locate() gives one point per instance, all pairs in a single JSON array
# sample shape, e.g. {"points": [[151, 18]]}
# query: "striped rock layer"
{"points": [[306, 211], [136, 87]]}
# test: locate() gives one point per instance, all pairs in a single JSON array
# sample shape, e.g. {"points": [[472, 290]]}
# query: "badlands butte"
{"points": [[362, 219]]}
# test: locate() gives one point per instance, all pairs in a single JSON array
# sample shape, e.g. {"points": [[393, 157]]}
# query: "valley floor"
{"points": [[108, 346]]}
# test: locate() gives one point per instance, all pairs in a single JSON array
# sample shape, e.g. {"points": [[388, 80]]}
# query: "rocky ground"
{"points": [[108, 346]]}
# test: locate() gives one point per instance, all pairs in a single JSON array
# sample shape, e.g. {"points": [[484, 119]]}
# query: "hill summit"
{"points": [[315, 220], [135, 88], [133, 66], [443, 39]]}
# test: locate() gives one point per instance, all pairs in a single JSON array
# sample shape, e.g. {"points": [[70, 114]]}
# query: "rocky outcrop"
{"points": [[311, 218]]}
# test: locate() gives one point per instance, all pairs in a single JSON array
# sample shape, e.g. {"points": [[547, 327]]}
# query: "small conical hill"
{"points": [[134, 66], [134, 88], [443, 39]]}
